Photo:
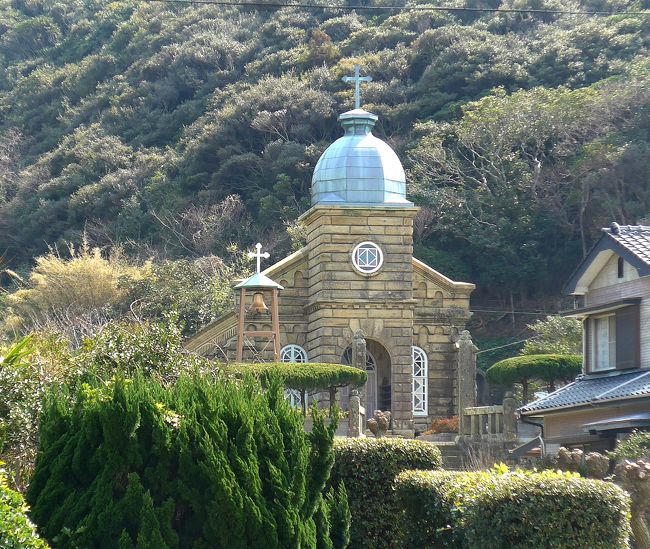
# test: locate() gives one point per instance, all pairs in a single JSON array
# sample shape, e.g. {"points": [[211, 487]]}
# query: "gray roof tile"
{"points": [[594, 389], [635, 238]]}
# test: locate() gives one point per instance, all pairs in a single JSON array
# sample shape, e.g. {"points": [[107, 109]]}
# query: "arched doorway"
{"points": [[378, 387]]}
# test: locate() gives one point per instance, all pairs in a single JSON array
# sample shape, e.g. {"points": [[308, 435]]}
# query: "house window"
{"points": [[293, 353], [621, 267], [420, 365], [614, 340], [604, 343], [367, 257]]}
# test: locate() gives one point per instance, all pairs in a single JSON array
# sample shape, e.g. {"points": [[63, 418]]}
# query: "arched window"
{"points": [[370, 360], [420, 365], [293, 353]]}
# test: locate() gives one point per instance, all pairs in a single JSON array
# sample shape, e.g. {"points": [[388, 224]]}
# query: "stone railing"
{"points": [[496, 423]]}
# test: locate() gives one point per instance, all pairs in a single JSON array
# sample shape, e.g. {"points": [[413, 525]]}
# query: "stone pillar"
{"points": [[466, 376], [359, 360], [509, 417], [356, 414]]}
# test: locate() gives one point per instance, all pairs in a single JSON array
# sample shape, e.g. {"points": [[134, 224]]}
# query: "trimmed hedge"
{"points": [[524, 368], [520, 509], [16, 530], [308, 376], [545, 367], [367, 467]]}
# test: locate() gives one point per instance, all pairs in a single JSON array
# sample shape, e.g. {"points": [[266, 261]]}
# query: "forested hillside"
{"points": [[176, 130]]}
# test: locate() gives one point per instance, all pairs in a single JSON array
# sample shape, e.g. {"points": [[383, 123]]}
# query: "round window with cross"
{"points": [[367, 257]]}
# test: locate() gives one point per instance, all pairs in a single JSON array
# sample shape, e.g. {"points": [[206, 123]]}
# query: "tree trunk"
{"points": [[332, 400], [524, 395]]}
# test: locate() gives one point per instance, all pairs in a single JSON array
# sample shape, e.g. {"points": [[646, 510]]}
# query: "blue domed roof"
{"points": [[359, 168]]}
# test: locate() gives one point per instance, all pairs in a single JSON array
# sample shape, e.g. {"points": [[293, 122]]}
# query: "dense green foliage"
{"points": [[80, 292], [306, 376], [368, 467], [16, 530], [490, 510], [201, 464], [524, 368], [176, 130], [635, 447], [554, 335]]}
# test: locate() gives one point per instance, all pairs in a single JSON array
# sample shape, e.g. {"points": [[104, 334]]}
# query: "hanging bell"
{"points": [[258, 306]]}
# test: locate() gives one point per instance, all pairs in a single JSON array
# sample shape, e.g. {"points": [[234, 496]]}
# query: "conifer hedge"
{"points": [[521, 510], [200, 464], [368, 467]]}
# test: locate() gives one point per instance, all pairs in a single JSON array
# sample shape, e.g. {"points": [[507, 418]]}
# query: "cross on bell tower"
{"points": [[257, 311], [259, 256], [357, 79]]}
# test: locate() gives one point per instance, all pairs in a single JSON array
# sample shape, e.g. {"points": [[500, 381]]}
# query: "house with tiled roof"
{"points": [[611, 290]]}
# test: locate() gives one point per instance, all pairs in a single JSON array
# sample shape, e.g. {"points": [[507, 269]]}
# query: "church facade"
{"points": [[357, 272]]}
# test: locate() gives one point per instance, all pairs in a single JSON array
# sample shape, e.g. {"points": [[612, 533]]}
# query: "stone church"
{"points": [[357, 272]]}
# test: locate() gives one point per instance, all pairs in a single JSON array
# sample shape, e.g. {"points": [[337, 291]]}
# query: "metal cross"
{"points": [[357, 84], [259, 255]]}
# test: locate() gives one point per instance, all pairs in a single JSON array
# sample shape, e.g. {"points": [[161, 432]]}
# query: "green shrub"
{"points": [[522, 369], [200, 464], [486, 510], [367, 467], [16, 530], [635, 447]]}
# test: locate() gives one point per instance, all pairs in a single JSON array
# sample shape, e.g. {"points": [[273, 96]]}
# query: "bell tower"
{"points": [[360, 253]]}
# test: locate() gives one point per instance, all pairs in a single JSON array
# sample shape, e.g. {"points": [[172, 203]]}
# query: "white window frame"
{"points": [[365, 268], [420, 376], [596, 366], [294, 353]]}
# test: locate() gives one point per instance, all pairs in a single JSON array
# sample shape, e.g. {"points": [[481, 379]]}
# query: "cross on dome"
{"points": [[259, 255], [357, 79]]}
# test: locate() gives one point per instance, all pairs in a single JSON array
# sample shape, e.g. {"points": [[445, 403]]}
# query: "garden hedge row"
{"points": [[487, 510], [16, 530], [308, 376], [367, 467]]}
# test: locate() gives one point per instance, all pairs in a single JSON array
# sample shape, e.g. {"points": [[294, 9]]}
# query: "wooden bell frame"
{"points": [[273, 335]]}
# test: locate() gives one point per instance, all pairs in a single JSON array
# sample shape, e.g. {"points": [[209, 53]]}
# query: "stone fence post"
{"points": [[359, 359], [356, 414], [509, 417], [466, 377]]}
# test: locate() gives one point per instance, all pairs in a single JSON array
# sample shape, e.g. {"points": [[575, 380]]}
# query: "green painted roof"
{"points": [[258, 280]]}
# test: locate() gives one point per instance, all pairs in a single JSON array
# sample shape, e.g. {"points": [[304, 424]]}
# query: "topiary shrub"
{"points": [[368, 467], [200, 464], [522, 369], [310, 376], [16, 530], [487, 510]]}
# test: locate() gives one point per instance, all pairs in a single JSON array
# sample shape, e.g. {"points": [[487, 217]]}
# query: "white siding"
{"points": [[608, 276]]}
